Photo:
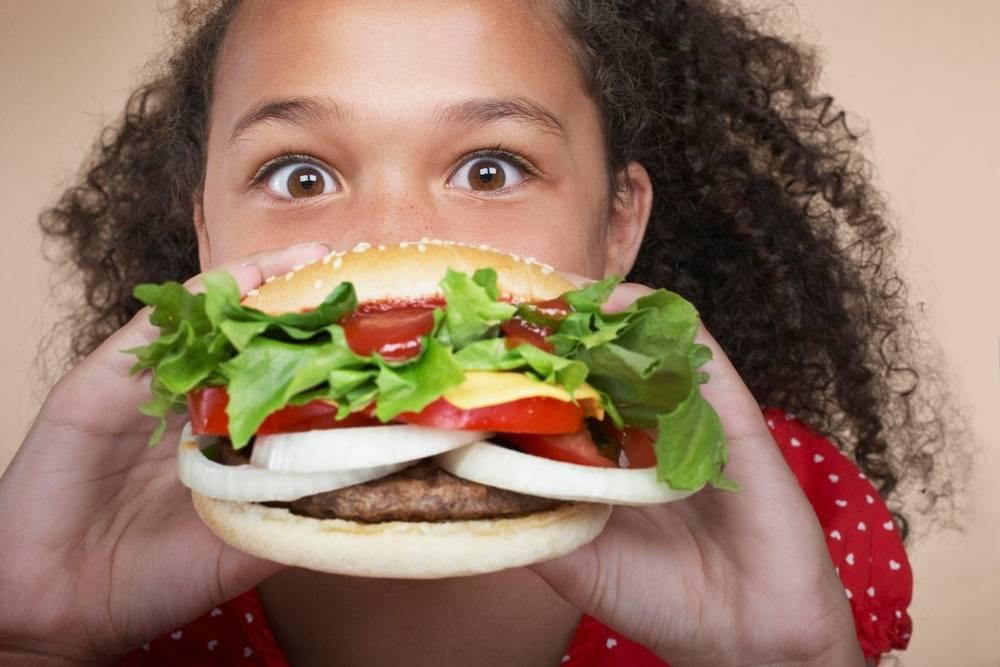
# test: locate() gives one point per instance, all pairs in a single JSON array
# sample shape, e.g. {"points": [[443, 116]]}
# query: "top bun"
{"points": [[405, 271]]}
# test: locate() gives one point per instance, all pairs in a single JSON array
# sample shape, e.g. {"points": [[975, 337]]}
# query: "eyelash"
{"points": [[279, 161], [495, 151]]}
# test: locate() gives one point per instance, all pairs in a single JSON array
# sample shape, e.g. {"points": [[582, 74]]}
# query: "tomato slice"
{"points": [[538, 414], [392, 332], [519, 332], [636, 447], [575, 447], [207, 408]]}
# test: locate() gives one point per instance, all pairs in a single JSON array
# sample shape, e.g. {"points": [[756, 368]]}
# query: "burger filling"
{"points": [[574, 394], [422, 492]]}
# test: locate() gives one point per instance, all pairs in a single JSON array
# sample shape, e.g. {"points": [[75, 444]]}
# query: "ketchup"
{"points": [[393, 328]]}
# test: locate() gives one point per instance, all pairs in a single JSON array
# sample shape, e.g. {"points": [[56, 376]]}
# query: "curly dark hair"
{"points": [[764, 214]]}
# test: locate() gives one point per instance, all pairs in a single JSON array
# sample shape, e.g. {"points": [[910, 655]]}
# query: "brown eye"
{"points": [[300, 180], [486, 175]]}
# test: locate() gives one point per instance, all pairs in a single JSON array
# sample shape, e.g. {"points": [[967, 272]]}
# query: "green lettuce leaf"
{"points": [[473, 311]]}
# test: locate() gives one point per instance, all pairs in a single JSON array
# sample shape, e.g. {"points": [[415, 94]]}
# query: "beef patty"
{"points": [[421, 492]]}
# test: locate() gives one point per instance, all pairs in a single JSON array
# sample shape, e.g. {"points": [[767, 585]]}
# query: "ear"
{"points": [[204, 243], [631, 205]]}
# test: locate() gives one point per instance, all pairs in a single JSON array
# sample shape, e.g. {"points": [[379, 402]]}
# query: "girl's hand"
{"points": [[719, 578], [101, 546]]}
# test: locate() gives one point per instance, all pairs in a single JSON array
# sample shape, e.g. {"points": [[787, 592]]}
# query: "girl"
{"points": [[670, 141]]}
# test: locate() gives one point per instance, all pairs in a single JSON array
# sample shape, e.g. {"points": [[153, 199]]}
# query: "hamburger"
{"points": [[426, 410]]}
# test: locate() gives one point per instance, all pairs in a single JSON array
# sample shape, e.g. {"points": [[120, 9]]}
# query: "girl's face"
{"points": [[381, 121]]}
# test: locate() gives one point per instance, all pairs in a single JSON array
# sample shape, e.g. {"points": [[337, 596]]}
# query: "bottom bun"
{"points": [[400, 549]]}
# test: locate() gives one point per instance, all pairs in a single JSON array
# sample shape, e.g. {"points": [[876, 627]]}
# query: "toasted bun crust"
{"points": [[399, 549], [405, 271]]}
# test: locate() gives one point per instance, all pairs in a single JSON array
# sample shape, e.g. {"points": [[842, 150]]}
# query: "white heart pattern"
{"points": [[216, 612], [869, 499], [247, 651], [817, 458], [840, 502], [870, 591], [862, 526], [611, 643], [835, 534], [249, 617], [850, 558], [212, 643], [177, 635], [834, 478], [795, 442], [894, 565], [888, 525]]}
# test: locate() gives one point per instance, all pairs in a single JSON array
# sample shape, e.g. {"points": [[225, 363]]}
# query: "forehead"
{"points": [[391, 58]]}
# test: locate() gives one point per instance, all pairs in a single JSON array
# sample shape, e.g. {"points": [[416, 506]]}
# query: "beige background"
{"points": [[921, 72]]}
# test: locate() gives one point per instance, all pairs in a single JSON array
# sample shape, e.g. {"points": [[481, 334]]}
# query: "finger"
{"points": [[252, 271], [624, 296]]}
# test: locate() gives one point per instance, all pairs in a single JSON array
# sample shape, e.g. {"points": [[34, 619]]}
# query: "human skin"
{"points": [[720, 578]]}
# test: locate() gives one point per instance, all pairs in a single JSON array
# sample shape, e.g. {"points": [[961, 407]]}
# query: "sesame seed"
{"points": [[297, 267], [271, 279], [253, 292], [337, 263], [317, 284], [421, 247]]}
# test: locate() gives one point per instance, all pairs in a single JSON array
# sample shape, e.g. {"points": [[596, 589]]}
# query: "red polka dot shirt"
{"points": [[864, 545]]}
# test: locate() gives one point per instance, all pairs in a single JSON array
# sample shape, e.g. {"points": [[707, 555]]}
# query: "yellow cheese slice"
{"points": [[485, 388]]}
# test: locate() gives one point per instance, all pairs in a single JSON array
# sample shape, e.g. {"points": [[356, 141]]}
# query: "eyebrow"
{"points": [[289, 111], [475, 112]]}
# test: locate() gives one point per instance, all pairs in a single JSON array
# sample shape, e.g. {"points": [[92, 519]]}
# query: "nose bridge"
{"points": [[396, 204], [394, 215]]}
